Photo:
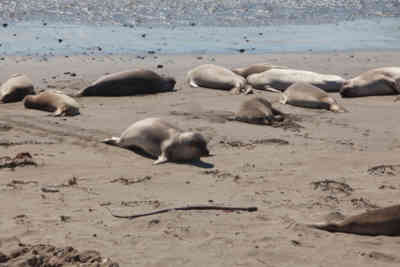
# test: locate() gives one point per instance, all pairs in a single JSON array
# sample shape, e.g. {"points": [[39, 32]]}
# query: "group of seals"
{"points": [[162, 140]]}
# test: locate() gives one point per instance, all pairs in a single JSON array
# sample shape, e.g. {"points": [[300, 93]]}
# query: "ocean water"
{"points": [[66, 27]]}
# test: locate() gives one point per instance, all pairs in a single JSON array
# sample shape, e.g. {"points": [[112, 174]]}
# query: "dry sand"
{"points": [[289, 183]]}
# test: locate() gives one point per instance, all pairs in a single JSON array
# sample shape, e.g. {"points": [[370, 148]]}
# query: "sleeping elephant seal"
{"points": [[258, 110], [309, 96], [381, 81], [279, 79], [384, 221], [256, 68], [217, 77], [126, 83], [53, 101], [162, 140], [16, 88]]}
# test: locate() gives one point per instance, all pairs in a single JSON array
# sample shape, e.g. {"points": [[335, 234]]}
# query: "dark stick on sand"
{"points": [[200, 207]]}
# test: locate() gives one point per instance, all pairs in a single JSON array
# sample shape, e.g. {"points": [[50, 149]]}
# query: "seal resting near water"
{"points": [[309, 96], [276, 80], [217, 77], [162, 140], [131, 82], [16, 88], [258, 110], [256, 68], [384, 221], [53, 101], [375, 82]]}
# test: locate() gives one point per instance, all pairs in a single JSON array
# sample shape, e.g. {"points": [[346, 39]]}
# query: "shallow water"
{"points": [[34, 38]]}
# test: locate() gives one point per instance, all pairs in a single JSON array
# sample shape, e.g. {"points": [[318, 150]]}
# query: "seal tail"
{"points": [[114, 141], [330, 227]]}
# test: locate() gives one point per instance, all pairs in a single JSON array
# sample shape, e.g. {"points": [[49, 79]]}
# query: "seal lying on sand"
{"points": [[163, 140], [256, 68], [130, 82], [16, 88], [279, 79], [382, 81], [53, 101], [309, 96], [258, 110], [217, 77], [384, 221]]}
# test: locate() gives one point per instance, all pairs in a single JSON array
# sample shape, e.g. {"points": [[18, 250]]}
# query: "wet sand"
{"points": [[292, 182]]}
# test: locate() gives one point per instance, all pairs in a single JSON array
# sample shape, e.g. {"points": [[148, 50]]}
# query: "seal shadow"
{"points": [[196, 163]]}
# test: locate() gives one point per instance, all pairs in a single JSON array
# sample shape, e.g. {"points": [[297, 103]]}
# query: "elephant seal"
{"points": [[160, 139], [309, 96], [53, 101], [217, 77], [384, 221], [381, 81], [276, 80], [258, 110], [256, 68], [16, 88], [131, 82]]}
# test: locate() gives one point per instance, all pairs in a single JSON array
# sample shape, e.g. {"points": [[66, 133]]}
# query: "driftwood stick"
{"points": [[199, 207]]}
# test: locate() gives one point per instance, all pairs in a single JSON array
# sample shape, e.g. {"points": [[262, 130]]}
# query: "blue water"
{"points": [[35, 38]]}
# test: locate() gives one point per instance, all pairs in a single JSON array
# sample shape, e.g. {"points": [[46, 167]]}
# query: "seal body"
{"points": [[309, 96], [162, 140], [53, 101], [375, 82], [256, 68], [216, 77], [16, 88], [130, 82], [384, 221], [258, 110], [280, 79]]}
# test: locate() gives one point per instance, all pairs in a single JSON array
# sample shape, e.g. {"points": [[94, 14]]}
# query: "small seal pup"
{"points": [[256, 68], [217, 77], [258, 110], [384, 221], [131, 82], [160, 139], [53, 101], [16, 88], [381, 81], [309, 96], [276, 80]]}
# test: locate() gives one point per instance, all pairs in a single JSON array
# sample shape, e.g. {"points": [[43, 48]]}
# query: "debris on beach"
{"points": [[20, 160]]}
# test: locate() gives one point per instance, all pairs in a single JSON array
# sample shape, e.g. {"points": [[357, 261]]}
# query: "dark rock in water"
{"points": [[60, 40], [242, 50], [160, 66], [5, 25]]}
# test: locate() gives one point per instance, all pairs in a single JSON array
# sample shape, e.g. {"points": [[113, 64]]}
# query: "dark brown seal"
{"points": [[126, 83]]}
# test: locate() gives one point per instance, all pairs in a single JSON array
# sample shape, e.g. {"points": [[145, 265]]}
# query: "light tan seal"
{"points": [[256, 68], [309, 96], [217, 77], [53, 101], [162, 140], [258, 110], [375, 82], [16, 88], [280, 79], [131, 82], [384, 221]]}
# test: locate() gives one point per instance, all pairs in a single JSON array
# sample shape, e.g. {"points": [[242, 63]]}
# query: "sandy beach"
{"points": [[293, 177]]}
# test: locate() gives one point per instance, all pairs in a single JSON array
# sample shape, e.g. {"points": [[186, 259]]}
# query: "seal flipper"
{"points": [[330, 227], [271, 89], [114, 141], [161, 159]]}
